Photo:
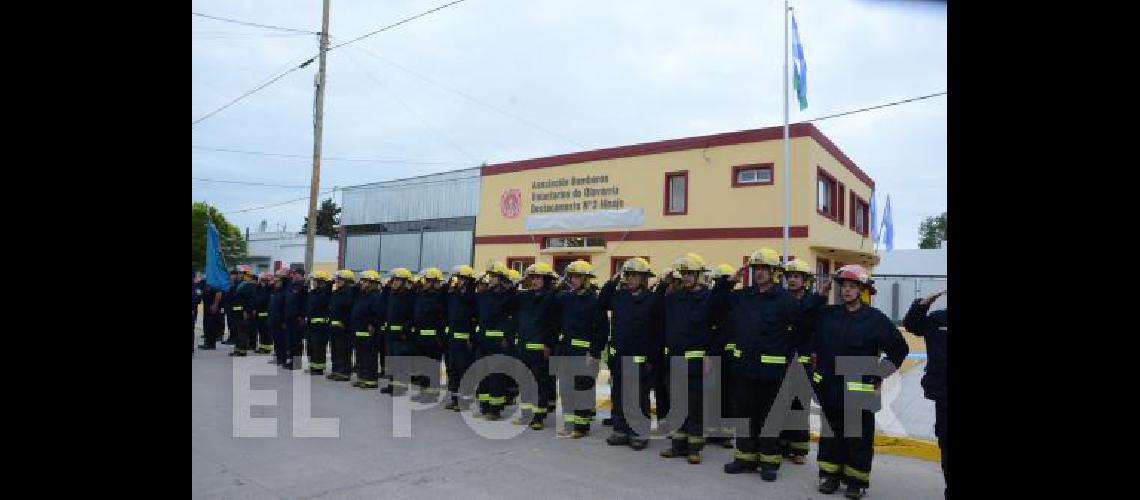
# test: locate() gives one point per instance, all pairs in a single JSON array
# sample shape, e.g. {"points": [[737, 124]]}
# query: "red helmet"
{"points": [[857, 273]]}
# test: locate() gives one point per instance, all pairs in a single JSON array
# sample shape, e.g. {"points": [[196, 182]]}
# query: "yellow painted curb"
{"points": [[922, 449]]}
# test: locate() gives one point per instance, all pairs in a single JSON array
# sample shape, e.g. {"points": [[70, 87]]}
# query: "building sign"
{"points": [[509, 203], [574, 194]]}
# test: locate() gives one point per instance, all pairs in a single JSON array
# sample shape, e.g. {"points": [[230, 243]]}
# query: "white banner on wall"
{"points": [[596, 219]]}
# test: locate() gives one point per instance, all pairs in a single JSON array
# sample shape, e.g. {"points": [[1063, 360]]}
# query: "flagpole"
{"points": [[787, 149]]}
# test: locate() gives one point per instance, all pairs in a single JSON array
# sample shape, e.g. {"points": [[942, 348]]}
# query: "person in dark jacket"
{"points": [[340, 337], [233, 317], [496, 307], [213, 316], [582, 322], [196, 301], [276, 317], [536, 339], [636, 336], [720, 432], [317, 334], [852, 330], [399, 308], [460, 353], [688, 315], [933, 328], [296, 302], [761, 317], [261, 295], [362, 324], [241, 305], [795, 439], [429, 319]]}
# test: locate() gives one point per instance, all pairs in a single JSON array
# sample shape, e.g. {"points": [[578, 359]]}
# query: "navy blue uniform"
{"points": [[362, 324], [795, 439], [233, 316], [865, 332], [688, 335], [241, 304], [460, 325], [317, 310], [429, 318], [536, 325], [276, 320], [637, 334], [263, 337], [213, 323], [400, 308], [196, 300], [582, 328], [934, 329], [296, 300], [340, 338], [495, 309]]}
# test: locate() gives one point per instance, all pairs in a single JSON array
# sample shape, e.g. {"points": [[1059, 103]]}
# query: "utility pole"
{"points": [[318, 122]]}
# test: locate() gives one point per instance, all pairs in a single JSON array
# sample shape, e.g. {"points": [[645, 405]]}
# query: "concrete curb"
{"points": [[922, 449]]}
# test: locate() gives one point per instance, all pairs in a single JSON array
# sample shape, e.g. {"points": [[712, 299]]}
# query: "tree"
{"points": [[932, 231], [233, 243], [328, 217]]}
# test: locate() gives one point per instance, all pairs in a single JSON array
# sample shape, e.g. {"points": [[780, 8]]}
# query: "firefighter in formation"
{"points": [[762, 321]]}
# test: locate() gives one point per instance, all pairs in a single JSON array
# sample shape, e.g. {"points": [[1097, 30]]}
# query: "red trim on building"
{"points": [[842, 203], [687, 143], [822, 266], [770, 167], [523, 258], [665, 197], [723, 233]]}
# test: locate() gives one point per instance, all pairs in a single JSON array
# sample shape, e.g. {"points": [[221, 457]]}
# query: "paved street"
{"points": [[445, 458]]}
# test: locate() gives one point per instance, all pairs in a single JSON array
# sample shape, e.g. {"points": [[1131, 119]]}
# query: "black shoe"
{"points": [[238, 353], [340, 377], [618, 439], [316, 372], [768, 474], [739, 467], [638, 443], [607, 421], [386, 390], [855, 491], [205, 347], [828, 485]]}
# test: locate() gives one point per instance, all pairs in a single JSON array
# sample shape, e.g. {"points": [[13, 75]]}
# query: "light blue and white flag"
{"points": [[799, 66], [874, 228], [888, 226]]}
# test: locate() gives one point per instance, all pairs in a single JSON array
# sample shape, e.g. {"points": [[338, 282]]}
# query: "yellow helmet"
{"points": [[370, 275], [320, 275], [463, 270], [798, 266], [401, 272], [346, 274], [541, 269], [689, 262], [432, 273], [579, 267], [765, 257], [636, 265], [723, 271], [514, 276], [497, 267]]}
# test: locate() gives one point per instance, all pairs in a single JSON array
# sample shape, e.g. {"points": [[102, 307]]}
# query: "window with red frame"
{"points": [[677, 193], [617, 262], [759, 174], [860, 215]]}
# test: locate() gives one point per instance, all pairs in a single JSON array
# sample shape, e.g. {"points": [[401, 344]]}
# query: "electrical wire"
{"points": [[896, 103], [246, 23], [324, 158]]}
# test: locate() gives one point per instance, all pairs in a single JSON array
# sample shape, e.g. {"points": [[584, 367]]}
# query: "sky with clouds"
{"points": [[501, 80]]}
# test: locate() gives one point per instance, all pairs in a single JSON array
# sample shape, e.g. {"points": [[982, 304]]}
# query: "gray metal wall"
{"points": [[436, 196], [361, 251], [894, 294], [447, 249], [400, 250]]}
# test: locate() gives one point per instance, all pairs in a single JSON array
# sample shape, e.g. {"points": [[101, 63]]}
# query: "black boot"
{"points": [[618, 439], [638, 443], [854, 491], [828, 485], [768, 474], [205, 347], [608, 421], [386, 390], [739, 466], [678, 448]]}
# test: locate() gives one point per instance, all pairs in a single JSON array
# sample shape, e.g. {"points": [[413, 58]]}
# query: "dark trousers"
{"points": [[660, 384], [233, 321], [366, 353], [492, 391], [690, 434], [341, 341], [264, 336], [645, 379], [245, 328], [193, 332], [539, 369], [846, 457], [294, 337], [753, 400], [212, 325], [280, 344], [317, 344], [942, 431], [795, 442], [428, 346], [399, 344], [460, 355], [721, 429]]}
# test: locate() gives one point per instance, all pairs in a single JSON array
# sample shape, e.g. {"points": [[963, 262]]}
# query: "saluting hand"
{"points": [[824, 286], [933, 297]]}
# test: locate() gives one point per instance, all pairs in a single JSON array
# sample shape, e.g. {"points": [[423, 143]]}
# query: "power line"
{"points": [[390, 26], [252, 91], [295, 200], [896, 103], [323, 158], [249, 183], [246, 23]]}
